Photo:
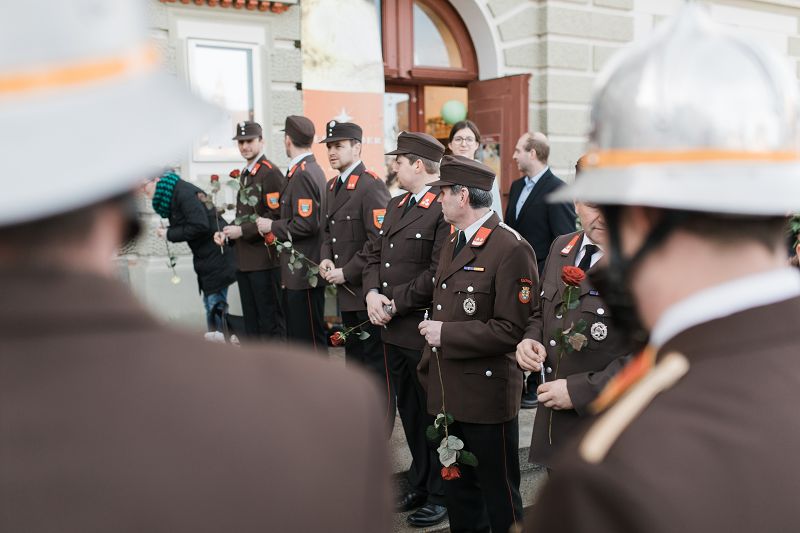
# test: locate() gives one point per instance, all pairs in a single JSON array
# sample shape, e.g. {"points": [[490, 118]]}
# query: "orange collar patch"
{"points": [[427, 200], [351, 182], [255, 168], [291, 171], [570, 245], [333, 183], [403, 200], [480, 237], [630, 374]]}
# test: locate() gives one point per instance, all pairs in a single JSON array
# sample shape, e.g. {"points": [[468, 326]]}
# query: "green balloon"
{"points": [[453, 111]]}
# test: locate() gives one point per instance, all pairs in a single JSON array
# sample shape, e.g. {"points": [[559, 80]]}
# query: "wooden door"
{"points": [[499, 107]]}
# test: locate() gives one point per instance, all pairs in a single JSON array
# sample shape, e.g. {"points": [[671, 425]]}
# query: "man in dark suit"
{"points": [[481, 303], [112, 421], [398, 280], [258, 268], [302, 207], [355, 209], [536, 220]]}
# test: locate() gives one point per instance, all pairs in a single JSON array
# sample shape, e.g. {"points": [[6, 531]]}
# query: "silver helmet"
{"points": [[695, 117]]}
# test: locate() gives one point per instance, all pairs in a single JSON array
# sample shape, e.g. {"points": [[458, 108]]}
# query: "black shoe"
{"points": [[411, 500], [529, 400], [428, 515]]}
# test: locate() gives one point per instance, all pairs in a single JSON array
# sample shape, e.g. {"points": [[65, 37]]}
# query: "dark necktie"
{"points": [[338, 185], [411, 203], [462, 240], [586, 261]]}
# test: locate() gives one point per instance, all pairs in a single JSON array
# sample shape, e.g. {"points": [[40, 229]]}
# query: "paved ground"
{"points": [[532, 476]]}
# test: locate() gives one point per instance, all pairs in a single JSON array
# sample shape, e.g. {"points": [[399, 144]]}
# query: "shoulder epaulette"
{"points": [[266, 162], [512, 230], [602, 435], [371, 173]]}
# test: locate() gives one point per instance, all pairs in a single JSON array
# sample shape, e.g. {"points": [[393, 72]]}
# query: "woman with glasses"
{"points": [[465, 139]]}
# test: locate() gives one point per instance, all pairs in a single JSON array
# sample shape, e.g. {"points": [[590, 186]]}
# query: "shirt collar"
{"points": [[530, 181], [586, 240], [725, 299], [475, 226], [343, 176], [298, 158], [420, 194], [256, 160]]}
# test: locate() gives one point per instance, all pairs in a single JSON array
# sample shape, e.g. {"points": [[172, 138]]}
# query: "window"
{"points": [[434, 44]]}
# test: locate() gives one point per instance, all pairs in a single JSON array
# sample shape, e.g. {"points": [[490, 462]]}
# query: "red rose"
{"points": [[235, 173], [214, 178], [572, 276], [269, 239], [337, 339], [451, 472]]}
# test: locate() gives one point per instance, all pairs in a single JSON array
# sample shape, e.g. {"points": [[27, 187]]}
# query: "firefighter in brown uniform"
{"points": [[355, 208], [574, 375], [258, 274], [481, 303], [399, 287], [302, 207], [698, 432]]}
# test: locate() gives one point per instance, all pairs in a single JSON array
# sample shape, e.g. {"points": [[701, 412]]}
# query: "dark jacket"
{"points": [[266, 183], [540, 222], [484, 297], [587, 370], [402, 263], [354, 215], [113, 422], [302, 210], [190, 220]]}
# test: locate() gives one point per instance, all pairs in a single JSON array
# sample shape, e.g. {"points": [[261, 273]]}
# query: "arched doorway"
{"points": [[429, 59]]}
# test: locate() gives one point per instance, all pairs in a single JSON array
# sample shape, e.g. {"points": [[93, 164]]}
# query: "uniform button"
{"points": [[387, 265], [541, 293], [433, 349], [470, 288], [444, 285], [334, 239], [433, 279], [601, 311], [418, 235], [333, 222], [552, 342], [548, 370], [348, 217], [384, 284], [336, 256], [380, 232], [391, 245], [488, 373], [438, 307]]}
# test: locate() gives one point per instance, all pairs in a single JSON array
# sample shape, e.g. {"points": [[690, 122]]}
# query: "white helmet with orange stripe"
{"points": [[696, 118]]}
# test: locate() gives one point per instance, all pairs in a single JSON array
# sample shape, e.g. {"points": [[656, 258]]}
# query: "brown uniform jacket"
{"points": [[493, 277], [302, 208], [112, 422], [266, 183], [353, 216], [587, 371], [715, 451], [402, 263]]}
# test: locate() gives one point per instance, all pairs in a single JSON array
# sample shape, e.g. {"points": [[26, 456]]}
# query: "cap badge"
{"points": [[599, 331], [470, 306]]}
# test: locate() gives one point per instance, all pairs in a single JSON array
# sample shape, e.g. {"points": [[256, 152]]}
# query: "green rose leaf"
{"points": [[467, 458], [363, 335], [313, 281], [432, 433], [290, 267]]}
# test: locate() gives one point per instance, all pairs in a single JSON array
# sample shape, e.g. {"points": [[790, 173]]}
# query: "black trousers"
{"points": [[486, 498], [424, 476], [370, 353], [260, 292], [305, 322]]}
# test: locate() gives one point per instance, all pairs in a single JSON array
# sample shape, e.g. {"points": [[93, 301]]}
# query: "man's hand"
{"points": [[432, 331], [335, 276], [161, 231], [264, 225], [324, 266], [530, 355], [219, 238], [555, 395], [375, 311], [232, 232]]}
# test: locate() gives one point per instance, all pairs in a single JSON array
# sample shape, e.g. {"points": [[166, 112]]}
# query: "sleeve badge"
{"points": [[377, 217], [273, 200], [305, 207], [524, 294]]}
